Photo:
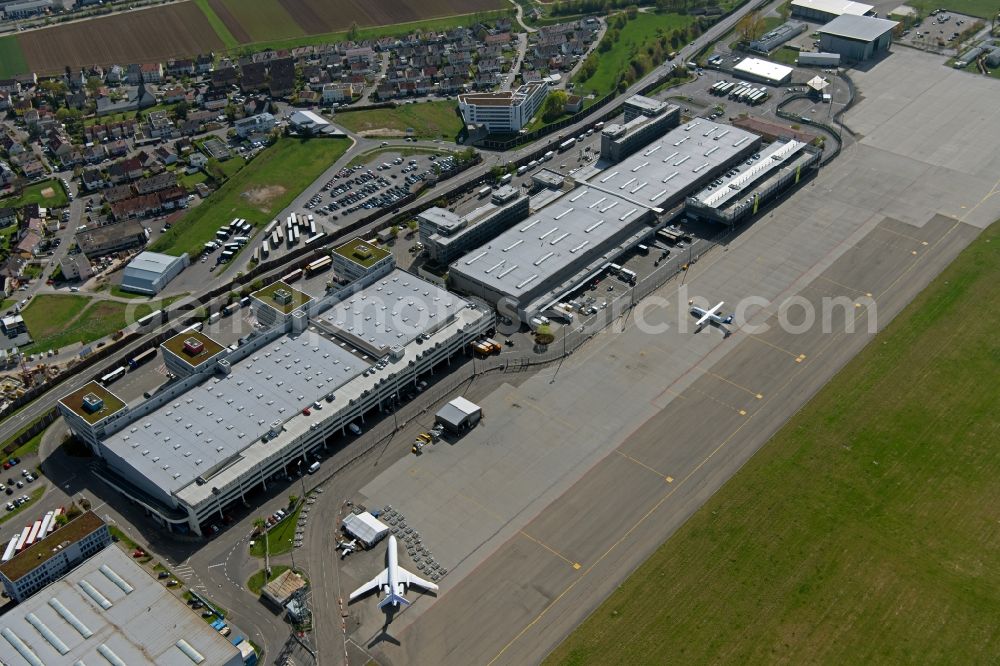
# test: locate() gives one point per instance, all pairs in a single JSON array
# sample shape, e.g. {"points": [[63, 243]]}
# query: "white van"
{"points": [[354, 428], [314, 468]]}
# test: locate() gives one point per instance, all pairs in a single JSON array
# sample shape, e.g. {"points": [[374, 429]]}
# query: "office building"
{"points": [[620, 141], [358, 259], [503, 112], [639, 105], [857, 38], [50, 557], [447, 236], [262, 123], [109, 610], [764, 71]]}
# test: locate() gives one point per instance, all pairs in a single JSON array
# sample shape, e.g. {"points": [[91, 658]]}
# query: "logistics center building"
{"points": [[244, 417], [574, 234]]}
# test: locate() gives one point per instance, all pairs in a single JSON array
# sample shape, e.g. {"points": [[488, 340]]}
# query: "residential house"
{"points": [[165, 155], [175, 94], [159, 125], [337, 92], [8, 216], [224, 77], [150, 204], [125, 170], [182, 67], [92, 179], [76, 267], [29, 245], [282, 73], [203, 64], [253, 76], [162, 181], [12, 86], [94, 154], [7, 175], [110, 238], [33, 169], [117, 148], [118, 193], [214, 99]]}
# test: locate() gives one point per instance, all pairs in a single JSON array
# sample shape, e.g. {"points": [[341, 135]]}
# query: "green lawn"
{"points": [[12, 59], [33, 195], [56, 320], [865, 532], [429, 120], [785, 55], [217, 24], [280, 537], [634, 38], [259, 579], [262, 188]]}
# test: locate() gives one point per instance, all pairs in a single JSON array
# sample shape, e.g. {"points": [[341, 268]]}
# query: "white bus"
{"points": [[485, 192], [265, 248], [114, 375]]}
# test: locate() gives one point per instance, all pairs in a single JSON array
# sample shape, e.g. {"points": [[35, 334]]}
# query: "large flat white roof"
{"points": [[861, 28], [394, 311], [216, 420], [764, 69], [837, 7], [110, 607]]}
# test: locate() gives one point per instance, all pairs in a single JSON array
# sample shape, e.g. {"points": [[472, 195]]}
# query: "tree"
{"points": [[750, 27], [394, 230], [352, 33], [554, 105], [293, 500], [61, 519], [181, 109], [412, 225]]}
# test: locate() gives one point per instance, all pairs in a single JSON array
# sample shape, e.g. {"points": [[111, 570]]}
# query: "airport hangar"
{"points": [[577, 233], [239, 418]]}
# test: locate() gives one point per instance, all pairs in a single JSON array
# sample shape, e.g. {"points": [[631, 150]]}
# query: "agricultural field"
{"points": [[256, 20], [155, 34], [432, 120], [257, 192], [646, 30], [864, 532], [984, 9]]}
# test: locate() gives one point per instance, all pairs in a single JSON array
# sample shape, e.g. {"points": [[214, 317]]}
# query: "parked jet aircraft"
{"points": [[393, 581]]}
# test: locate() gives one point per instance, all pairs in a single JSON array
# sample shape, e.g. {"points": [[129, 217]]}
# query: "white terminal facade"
{"points": [[235, 420]]}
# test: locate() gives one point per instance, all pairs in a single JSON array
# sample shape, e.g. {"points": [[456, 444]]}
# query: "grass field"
{"points": [[635, 36], [785, 55], [56, 320], [257, 581], [429, 120], [266, 185], [227, 38], [864, 532], [33, 195], [279, 537], [12, 59]]}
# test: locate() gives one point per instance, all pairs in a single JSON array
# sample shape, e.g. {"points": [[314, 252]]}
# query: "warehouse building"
{"points": [[775, 38], [827, 10], [459, 415], [620, 141], [246, 417], [857, 38], [818, 59], [571, 235], [109, 610], [111, 238], [50, 557], [777, 167], [447, 236], [764, 71], [150, 272]]}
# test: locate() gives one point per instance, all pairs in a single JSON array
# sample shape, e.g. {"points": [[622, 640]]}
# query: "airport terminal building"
{"points": [[241, 418]]}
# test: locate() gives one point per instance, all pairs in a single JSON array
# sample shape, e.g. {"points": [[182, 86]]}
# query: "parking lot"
{"points": [[940, 30]]}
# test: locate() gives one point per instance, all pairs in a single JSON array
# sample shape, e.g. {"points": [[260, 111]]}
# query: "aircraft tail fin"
{"points": [[394, 599]]}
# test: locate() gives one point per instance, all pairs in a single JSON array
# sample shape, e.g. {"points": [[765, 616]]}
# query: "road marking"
{"points": [[642, 464], [771, 345], [739, 386], [883, 228], [575, 565], [830, 341], [217, 564]]}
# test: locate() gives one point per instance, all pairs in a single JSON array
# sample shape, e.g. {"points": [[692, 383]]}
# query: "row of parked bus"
{"points": [[740, 92], [32, 533]]}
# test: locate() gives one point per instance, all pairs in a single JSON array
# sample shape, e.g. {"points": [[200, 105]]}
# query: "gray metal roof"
{"points": [[561, 233], [672, 163], [217, 419], [105, 608], [773, 157], [861, 28], [394, 310], [147, 267]]}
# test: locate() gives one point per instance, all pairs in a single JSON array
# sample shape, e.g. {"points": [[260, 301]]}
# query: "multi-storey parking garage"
{"points": [[250, 414]]}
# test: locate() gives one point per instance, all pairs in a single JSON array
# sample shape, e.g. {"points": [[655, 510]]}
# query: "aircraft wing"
{"points": [[375, 583], [405, 576], [710, 314]]}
